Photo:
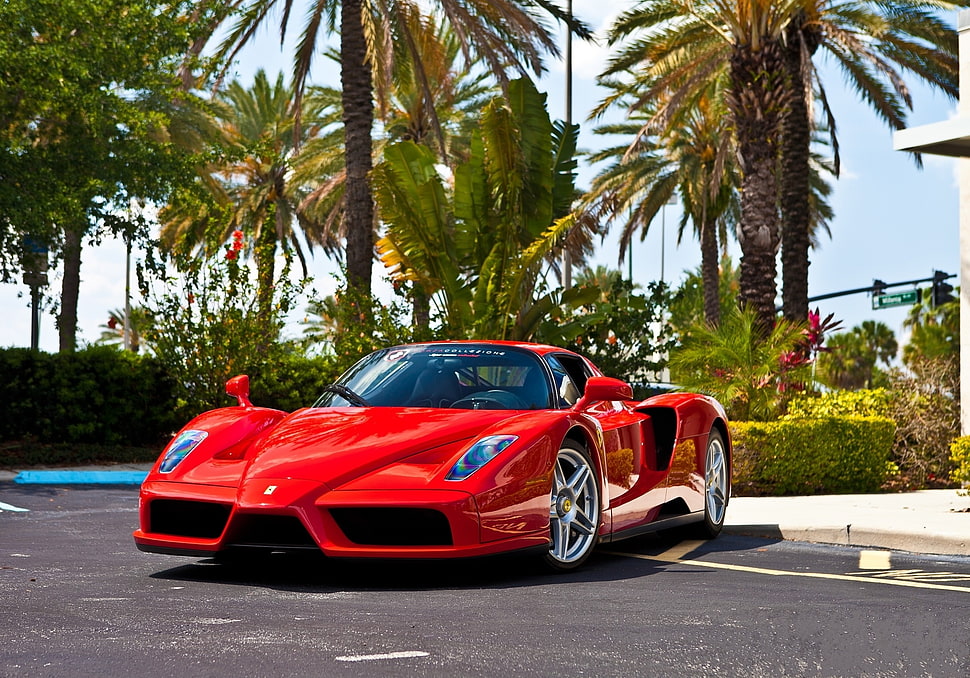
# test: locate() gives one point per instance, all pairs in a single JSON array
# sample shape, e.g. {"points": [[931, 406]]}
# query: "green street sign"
{"points": [[897, 299]]}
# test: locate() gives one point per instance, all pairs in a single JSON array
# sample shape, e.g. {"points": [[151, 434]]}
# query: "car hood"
{"points": [[335, 445]]}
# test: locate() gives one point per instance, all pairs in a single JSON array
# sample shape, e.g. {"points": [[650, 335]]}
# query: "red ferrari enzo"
{"points": [[443, 450]]}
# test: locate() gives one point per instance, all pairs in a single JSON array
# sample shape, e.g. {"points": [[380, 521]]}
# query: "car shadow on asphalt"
{"points": [[314, 573]]}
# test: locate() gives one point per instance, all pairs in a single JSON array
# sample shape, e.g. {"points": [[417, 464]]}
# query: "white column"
{"points": [[963, 27]]}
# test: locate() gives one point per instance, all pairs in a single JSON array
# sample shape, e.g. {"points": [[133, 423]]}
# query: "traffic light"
{"points": [[942, 290]]}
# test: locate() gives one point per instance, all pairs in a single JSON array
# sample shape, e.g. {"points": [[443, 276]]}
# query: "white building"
{"points": [[952, 138]]}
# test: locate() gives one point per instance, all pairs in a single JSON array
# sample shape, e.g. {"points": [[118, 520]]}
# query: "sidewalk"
{"points": [[929, 521]]}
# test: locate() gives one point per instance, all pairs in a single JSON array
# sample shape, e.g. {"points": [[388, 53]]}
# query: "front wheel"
{"points": [[717, 486], [574, 511]]}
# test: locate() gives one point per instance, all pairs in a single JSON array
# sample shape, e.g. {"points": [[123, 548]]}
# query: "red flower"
{"points": [[237, 235], [231, 254]]}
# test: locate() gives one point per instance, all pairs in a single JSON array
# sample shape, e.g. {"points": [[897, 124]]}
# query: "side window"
{"points": [[569, 382]]}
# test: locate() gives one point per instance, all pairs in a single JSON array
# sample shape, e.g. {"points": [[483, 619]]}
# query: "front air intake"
{"points": [[180, 518], [379, 526], [270, 531]]}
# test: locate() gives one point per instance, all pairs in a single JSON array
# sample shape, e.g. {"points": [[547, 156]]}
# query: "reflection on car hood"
{"points": [[334, 445]]}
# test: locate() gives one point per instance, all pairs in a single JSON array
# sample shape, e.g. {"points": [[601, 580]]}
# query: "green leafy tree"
{"points": [[934, 336], [477, 248], [852, 359], [626, 332], [88, 93]]}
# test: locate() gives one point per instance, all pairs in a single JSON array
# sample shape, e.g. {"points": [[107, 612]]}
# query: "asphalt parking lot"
{"points": [[79, 599]]}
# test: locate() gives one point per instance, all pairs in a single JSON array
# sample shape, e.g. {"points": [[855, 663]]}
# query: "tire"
{"points": [[574, 508], [717, 486]]}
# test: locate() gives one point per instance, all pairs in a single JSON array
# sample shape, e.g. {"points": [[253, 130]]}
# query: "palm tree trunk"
{"points": [[70, 288], [795, 185], [710, 275], [756, 101], [358, 118], [265, 273]]}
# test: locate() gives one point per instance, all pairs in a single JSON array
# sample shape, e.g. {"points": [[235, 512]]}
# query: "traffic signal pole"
{"points": [[878, 287]]}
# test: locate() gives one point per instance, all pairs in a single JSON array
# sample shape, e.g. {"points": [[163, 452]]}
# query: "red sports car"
{"points": [[443, 450]]}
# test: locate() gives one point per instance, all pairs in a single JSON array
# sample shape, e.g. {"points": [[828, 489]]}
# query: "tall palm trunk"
{"points": [[710, 275], [358, 118], [265, 273], [70, 288], [756, 101], [795, 181]]}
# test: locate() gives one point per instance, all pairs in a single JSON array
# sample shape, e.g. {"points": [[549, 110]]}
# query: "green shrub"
{"points": [[293, 381], [960, 456], [926, 416], [106, 405], [99, 396], [863, 403], [831, 455]]}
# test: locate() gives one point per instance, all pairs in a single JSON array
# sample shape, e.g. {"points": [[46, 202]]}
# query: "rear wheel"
{"points": [[717, 486], [574, 511]]}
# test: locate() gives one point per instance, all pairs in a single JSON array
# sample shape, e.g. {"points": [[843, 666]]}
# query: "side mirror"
{"points": [[599, 389], [238, 387]]}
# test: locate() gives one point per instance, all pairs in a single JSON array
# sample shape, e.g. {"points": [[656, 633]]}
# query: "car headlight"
{"points": [[478, 455], [180, 448]]}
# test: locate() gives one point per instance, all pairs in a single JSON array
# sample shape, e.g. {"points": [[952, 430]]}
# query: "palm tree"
{"points": [[850, 360], [253, 192], [873, 43], [444, 121], [505, 34], [691, 156], [476, 247], [139, 324], [458, 96], [739, 363], [683, 49]]}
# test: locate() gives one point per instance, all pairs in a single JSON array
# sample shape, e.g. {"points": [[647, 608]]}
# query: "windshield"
{"points": [[461, 376]]}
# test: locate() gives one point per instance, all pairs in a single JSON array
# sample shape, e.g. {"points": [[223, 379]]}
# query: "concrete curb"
{"points": [[80, 477], [927, 521]]}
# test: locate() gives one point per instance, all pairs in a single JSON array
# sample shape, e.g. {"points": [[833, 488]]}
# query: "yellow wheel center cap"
{"points": [[567, 506]]}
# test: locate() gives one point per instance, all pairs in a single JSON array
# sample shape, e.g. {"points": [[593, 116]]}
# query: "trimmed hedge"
{"points": [[830, 455], [295, 381], [104, 404], [98, 395]]}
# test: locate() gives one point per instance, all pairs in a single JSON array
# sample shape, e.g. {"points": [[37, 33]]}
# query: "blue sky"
{"points": [[892, 221]]}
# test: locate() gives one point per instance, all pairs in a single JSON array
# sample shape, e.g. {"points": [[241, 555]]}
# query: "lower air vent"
{"points": [[393, 526], [201, 519], [253, 529]]}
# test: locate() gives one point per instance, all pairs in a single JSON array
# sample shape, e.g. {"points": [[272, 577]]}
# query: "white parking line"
{"points": [[9, 507], [406, 654]]}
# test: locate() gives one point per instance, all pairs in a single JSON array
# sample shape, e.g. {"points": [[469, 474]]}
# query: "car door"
{"points": [[636, 486]]}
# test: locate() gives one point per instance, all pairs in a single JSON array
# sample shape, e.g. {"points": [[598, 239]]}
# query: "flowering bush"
{"points": [[752, 372], [208, 325]]}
